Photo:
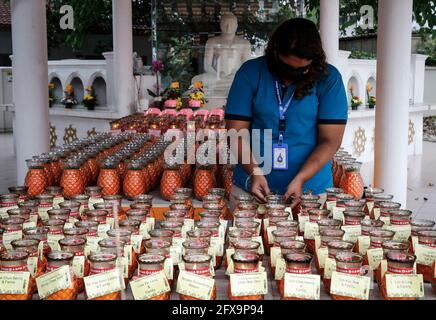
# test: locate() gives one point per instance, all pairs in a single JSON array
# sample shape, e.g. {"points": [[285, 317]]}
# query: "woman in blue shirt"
{"points": [[296, 94]]}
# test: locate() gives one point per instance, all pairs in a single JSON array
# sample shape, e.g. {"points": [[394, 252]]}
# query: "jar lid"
{"points": [[284, 233], [344, 197], [400, 213], [319, 212], [29, 203], [59, 212], [336, 233], [80, 197], [102, 257], [385, 234], [129, 223], [207, 225], [287, 224], [9, 197], [248, 206], [96, 213], [382, 197], [13, 255], [218, 191], [72, 242], [36, 231], [373, 191], [60, 256], [389, 204], [45, 197], [171, 224], [104, 206], [245, 257], [245, 214], [354, 204], [245, 198], [147, 198], [334, 190], [247, 224], [136, 212], [427, 233], [149, 258], [185, 191], [141, 206], [296, 257], [12, 221], [174, 214], [196, 258], [93, 189], [309, 198], [241, 233]]}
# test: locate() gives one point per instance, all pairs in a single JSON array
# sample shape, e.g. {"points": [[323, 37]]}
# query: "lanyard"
{"points": [[282, 111]]}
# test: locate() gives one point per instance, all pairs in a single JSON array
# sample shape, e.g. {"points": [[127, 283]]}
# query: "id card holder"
{"points": [[280, 157]]}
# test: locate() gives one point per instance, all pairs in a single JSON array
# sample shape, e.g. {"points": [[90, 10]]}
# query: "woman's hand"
{"points": [[259, 188], [294, 191]]}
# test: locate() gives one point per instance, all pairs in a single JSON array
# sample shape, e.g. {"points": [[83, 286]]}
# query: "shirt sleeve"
{"points": [[240, 100], [333, 105]]}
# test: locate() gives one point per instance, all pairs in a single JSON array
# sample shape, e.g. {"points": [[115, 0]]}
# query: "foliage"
{"points": [[356, 54], [428, 47]]}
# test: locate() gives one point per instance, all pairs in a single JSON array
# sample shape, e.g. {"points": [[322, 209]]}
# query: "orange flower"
{"points": [[69, 89], [198, 85]]}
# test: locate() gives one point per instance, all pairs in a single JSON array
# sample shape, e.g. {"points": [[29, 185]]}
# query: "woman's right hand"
{"points": [[259, 188]]}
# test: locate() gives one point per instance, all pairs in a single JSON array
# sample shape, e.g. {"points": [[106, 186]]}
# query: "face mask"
{"points": [[286, 71]]}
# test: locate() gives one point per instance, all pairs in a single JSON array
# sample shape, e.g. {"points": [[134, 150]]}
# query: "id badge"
{"points": [[280, 157]]}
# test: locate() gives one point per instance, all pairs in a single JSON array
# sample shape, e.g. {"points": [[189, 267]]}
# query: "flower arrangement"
{"points": [[355, 100], [90, 100], [69, 100], [173, 96], [371, 99], [51, 97], [156, 67], [197, 98]]}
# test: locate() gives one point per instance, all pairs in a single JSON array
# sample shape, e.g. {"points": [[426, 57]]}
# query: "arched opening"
{"points": [[78, 89], [99, 86], [371, 90], [57, 92], [353, 89]]}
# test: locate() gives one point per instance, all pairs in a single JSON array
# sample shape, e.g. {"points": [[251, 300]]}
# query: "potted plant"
{"points": [[355, 100], [371, 99], [197, 98], [51, 97], [69, 100], [173, 96], [90, 100]]}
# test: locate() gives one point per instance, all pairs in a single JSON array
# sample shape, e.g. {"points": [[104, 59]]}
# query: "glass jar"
{"points": [[108, 178], [198, 264], [419, 225], [45, 202], [77, 247], [292, 246], [173, 226], [329, 224], [183, 208], [23, 213], [326, 236], [103, 262], [33, 206], [244, 216], [400, 217], [238, 234], [16, 261], [199, 234], [56, 260], [348, 263], [370, 225], [246, 246], [83, 199], [143, 198], [137, 214], [210, 216], [31, 247], [94, 191], [318, 214], [134, 182], [306, 207], [40, 234], [132, 225], [107, 206], [91, 226], [158, 246], [145, 207], [73, 206], [12, 224], [253, 226], [195, 246], [9, 200], [353, 218], [398, 263], [76, 233], [72, 178], [21, 191], [162, 234], [288, 225], [331, 195], [377, 237], [55, 191], [351, 180], [335, 247], [296, 263], [96, 215], [355, 205], [210, 226], [55, 226], [426, 238], [342, 198], [370, 193], [244, 263], [60, 214], [283, 235], [150, 264]]}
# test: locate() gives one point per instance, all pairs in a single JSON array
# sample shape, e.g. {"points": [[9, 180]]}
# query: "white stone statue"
{"points": [[223, 56]]}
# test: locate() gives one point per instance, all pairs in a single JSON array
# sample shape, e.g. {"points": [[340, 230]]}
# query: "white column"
{"points": [[123, 56], [329, 28], [392, 112], [30, 80]]}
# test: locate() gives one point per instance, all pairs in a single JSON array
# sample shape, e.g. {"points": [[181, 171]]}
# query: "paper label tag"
{"points": [[402, 232], [348, 285], [3, 211], [169, 268], [151, 222], [128, 253], [53, 241], [217, 243], [330, 205], [317, 241], [102, 230], [322, 254], [338, 213], [330, 266], [404, 286], [143, 230], [104, 283], [383, 267], [79, 266], [376, 212], [14, 282], [303, 286], [8, 237], [311, 230], [261, 249], [352, 233], [425, 255], [68, 225], [42, 212], [259, 227], [289, 210], [194, 285], [275, 253], [364, 243], [189, 223], [302, 222], [375, 256], [248, 284], [370, 205], [54, 281], [265, 223], [280, 269], [136, 241], [110, 221], [40, 249], [92, 243], [32, 265], [56, 201], [33, 218], [122, 264], [269, 231], [93, 201], [176, 254], [28, 225], [150, 286], [415, 241], [387, 221]]}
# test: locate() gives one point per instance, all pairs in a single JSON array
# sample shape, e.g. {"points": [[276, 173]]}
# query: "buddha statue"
{"points": [[223, 56]]}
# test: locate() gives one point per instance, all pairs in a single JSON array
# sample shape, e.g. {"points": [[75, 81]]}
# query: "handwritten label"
{"points": [[348, 285], [28, 225], [128, 254], [322, 254], [302, 286], [3, 211], [330, 266], [352, 233], [330, 205], [122, 264], [56, 201], [261, 249], [404, 286], [79, 266], [248, 284], [150, 286], [230, 267], [176, 254], [302, 222], [151, 222], [364, 243], [93, 200], [54, 281], [8, 237], [53, 241], [280, 269], [169, 268], [217, 243], [104, 283], [375, 256], [402, 232], [14, 282], [376, 212], [102, 230], [275, 253], [136, 241], [425, 255], [311, 230], [370, 205], [194, 285], [338, 213], [143, 230], [265, 223], [269, 231], [32, 265], [42, 212]]}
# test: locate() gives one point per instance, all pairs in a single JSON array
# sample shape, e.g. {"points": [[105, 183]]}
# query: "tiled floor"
{"points": [[422, 176]]}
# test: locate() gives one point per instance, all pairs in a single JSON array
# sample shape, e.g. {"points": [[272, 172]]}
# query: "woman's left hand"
{"points": [[294, 191]]}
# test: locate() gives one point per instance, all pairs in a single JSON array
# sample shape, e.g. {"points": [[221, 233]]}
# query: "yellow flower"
{"points": [[369, 87], [198, 85], [51, 86], [89, 88], [89, 97], [175, 85]]}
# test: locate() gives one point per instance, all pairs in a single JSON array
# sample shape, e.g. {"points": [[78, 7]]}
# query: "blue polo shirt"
{"points": [[253, 98]]}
